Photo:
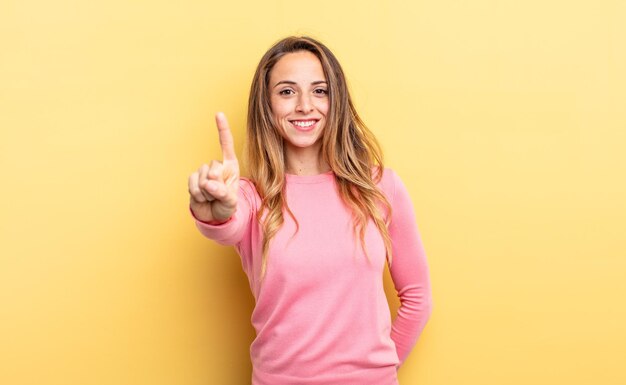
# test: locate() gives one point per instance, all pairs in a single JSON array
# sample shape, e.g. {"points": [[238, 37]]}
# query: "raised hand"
{"points": [[213, 188]]}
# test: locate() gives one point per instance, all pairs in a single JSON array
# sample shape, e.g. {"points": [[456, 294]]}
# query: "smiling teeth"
{"points": [[307, 123]]}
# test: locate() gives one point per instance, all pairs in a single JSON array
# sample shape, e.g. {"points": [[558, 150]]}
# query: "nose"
{"points": [[304, 104]]}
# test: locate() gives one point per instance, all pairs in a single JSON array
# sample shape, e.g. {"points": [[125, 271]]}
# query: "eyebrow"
{"points": [[294, 83]]}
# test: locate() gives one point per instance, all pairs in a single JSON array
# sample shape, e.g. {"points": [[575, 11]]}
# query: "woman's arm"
{"points": [[409, 271]]}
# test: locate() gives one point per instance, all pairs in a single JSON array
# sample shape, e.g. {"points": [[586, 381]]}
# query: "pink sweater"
{"points": [[321, 316]]}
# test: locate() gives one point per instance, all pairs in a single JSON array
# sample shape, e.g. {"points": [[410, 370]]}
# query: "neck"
{"points": [[305, 161]]}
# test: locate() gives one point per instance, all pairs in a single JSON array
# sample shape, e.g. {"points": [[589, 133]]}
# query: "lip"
{"points": [[304, 129]]}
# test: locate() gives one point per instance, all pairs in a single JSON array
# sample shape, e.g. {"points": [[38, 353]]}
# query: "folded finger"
{"points": [[217, 190], [216, 171], [194, 188]]}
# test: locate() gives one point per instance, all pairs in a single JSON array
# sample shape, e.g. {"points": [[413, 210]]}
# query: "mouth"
{"points": [[304, 124]]}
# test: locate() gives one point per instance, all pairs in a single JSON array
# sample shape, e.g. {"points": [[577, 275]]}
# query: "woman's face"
{"points": [[299, 99]]}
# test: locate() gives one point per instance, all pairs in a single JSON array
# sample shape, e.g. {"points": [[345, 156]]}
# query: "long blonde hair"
{"points": [[348, 146]]}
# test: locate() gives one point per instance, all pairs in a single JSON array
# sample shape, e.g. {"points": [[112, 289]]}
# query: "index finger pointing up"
{"points": [[226, 137]]}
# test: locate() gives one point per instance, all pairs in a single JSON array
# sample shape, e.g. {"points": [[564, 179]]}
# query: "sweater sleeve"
{"points": [[409, 271], [233, 230]]}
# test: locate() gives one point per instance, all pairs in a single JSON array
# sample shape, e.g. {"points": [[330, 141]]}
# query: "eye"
{"points": [[287, 92], [321, 91]]}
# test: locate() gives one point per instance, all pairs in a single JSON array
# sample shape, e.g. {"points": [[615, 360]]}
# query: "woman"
{"points": [[314, 226]]}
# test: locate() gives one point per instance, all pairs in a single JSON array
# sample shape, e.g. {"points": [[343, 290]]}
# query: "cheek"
{"points": [[273, 107], [280, 107], [322, 105]]}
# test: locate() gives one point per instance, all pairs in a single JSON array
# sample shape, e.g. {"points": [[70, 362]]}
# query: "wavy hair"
{"points": [[348, 146]]}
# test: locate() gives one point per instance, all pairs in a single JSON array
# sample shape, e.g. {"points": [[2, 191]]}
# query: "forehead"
{"points": [[301, 66]]}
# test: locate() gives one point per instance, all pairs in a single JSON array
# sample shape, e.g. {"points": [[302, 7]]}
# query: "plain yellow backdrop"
{"points": [[505, 119]]}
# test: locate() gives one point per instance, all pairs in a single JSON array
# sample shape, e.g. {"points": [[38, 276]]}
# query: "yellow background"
{"points": [[505, 119]]}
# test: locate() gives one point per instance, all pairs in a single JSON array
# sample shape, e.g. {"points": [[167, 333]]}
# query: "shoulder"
{"points": [[248, 190], [387, 181], [246, 184]]}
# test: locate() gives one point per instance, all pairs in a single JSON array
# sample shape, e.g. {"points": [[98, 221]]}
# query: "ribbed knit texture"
{"points": [[321, 315]]}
